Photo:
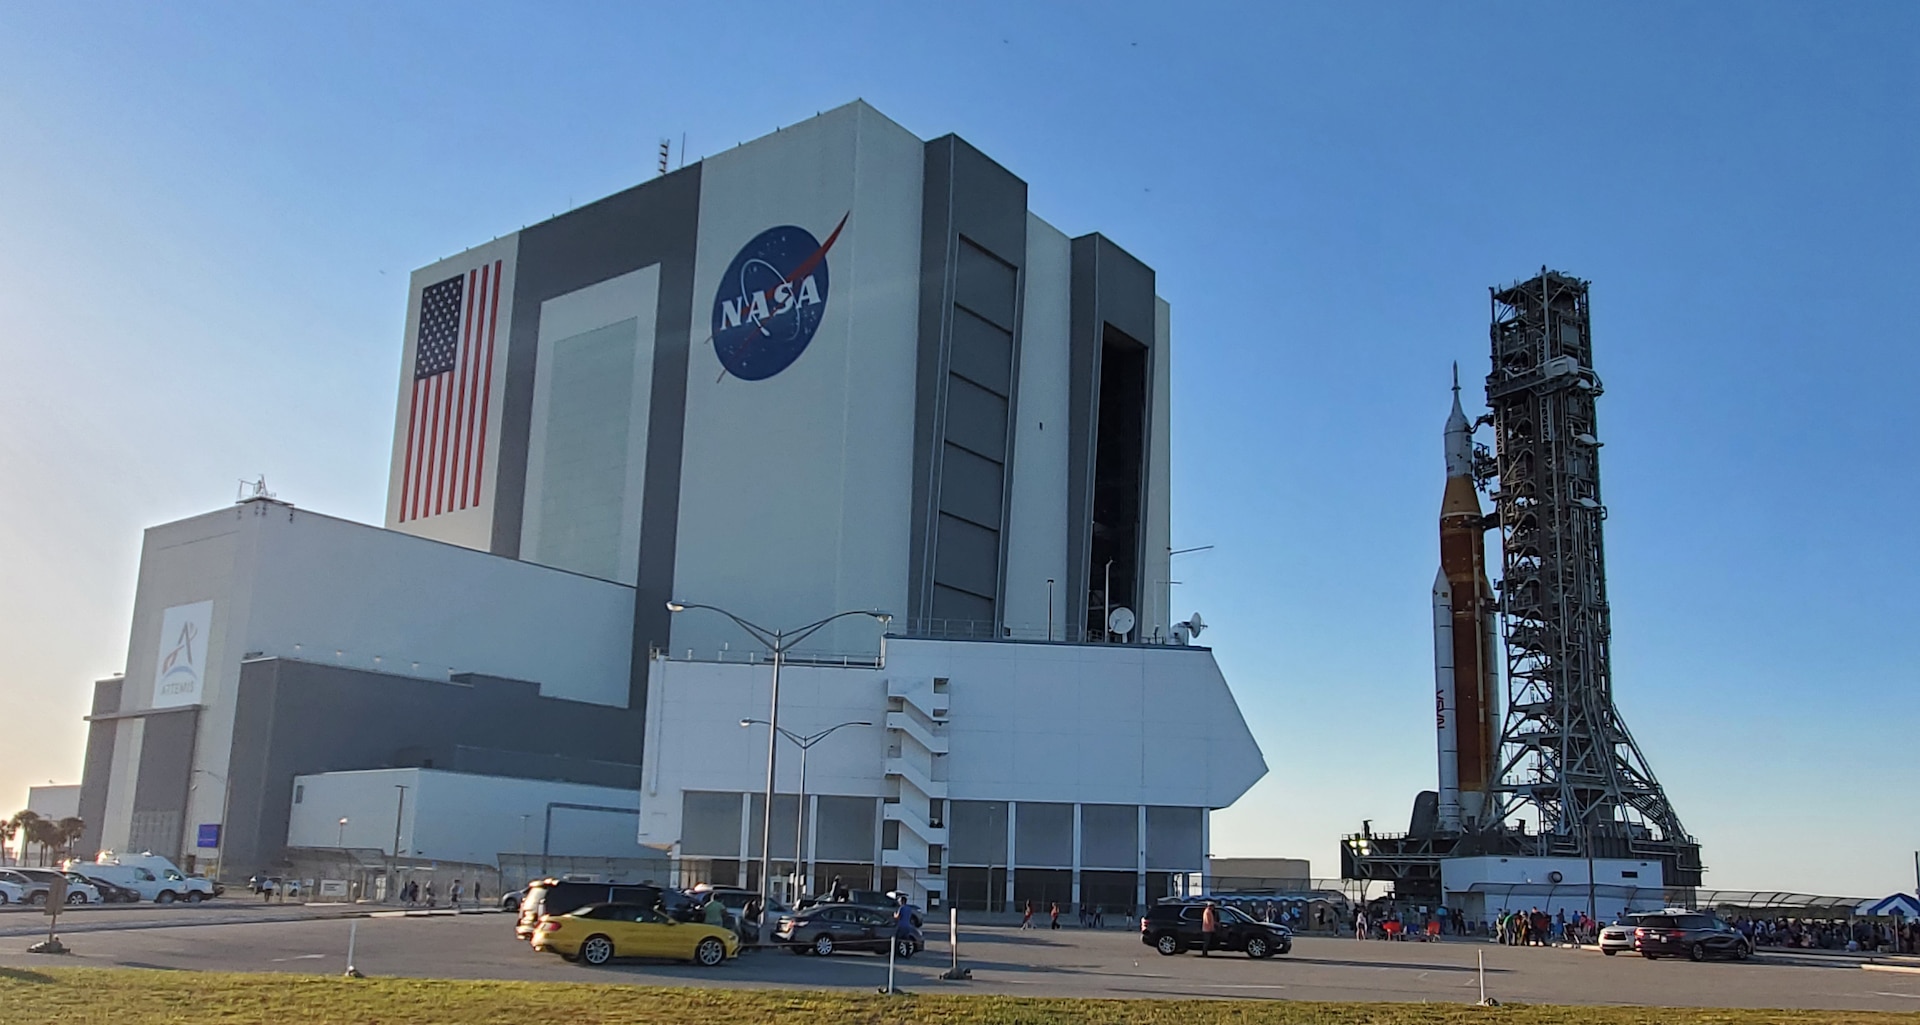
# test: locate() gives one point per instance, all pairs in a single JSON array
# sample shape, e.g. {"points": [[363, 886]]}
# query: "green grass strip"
{"points": [[84, 996]]}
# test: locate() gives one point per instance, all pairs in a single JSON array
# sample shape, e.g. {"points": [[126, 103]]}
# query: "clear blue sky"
{"points": [[206, 225]]}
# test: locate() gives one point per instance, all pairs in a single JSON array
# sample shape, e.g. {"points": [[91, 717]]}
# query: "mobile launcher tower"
{"points": [[1560, 779]]}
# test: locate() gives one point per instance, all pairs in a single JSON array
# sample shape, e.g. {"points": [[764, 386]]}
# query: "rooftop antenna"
{"points": [[683, 149], [252, 489]]}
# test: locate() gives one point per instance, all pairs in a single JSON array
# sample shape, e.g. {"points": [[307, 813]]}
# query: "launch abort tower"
{"points": [[1566, 755]]}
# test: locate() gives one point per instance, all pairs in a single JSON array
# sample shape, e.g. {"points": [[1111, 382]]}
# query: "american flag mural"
{"points": [[452, 389]]}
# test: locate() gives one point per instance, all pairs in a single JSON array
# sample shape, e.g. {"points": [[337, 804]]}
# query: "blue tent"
{"points": [[1895, 904]]}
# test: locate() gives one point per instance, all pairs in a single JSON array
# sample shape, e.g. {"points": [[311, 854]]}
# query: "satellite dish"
{"points": [[1120, 621], [1194, 625]]}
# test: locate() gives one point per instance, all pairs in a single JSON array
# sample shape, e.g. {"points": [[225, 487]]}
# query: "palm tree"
{"points": [[8, 830], [69, 830], [26, 824], [43, 833]]}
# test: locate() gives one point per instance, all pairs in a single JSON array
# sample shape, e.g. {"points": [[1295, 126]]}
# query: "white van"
{"points": [[153, 877]]}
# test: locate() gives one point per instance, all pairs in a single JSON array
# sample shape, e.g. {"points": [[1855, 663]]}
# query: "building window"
{"points": [[299, 792], [1627, 874]]}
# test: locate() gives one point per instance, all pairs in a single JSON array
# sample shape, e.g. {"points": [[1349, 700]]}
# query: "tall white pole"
{"points": [[800, 828], [766, 820]]}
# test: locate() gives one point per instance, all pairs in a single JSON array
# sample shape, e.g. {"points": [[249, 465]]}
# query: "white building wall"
{"points": [[795, 490], [450, 816], [471, 527], [1028, 722], [300, 585], [1484, 886], [1037, 513]]}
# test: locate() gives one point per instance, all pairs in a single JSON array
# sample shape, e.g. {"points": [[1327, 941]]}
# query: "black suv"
{"points": [[1175, 926], [1692, 934], [559, 896]]}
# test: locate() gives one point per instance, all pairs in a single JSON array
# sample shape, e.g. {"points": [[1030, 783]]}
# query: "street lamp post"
{"points": [[393, 869], [342, 842], [800, 818], [778, 643]]}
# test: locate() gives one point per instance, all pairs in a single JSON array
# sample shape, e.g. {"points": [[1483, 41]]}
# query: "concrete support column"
{"points": [[1206, 850], [1076, 854], [1010, 837], [812, 839], [1140, 863], [746, 835]]}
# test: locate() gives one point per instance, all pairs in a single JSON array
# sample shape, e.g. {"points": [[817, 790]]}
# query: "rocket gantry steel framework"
{"points": [[1567, 759]]}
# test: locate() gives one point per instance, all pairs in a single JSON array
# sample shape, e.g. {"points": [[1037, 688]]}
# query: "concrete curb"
{"points": [[1901, 968]]}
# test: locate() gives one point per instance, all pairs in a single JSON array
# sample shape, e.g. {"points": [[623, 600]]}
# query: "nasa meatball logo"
{"points": [[770, 301]]}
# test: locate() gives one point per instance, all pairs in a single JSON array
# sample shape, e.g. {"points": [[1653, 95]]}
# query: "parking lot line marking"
{"points": [[297, 957]]}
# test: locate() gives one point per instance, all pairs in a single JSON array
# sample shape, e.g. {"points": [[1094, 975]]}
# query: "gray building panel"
{"points": [[710, 824], [295, 718], [1111, 292], [973, 246], [96, 768], [845, 829], [1174, 839], [977, 833], [654, 223], [160, 795], [1110, 836], [1043, 835]]}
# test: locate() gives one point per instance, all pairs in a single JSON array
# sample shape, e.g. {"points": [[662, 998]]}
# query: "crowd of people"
{"points": [[1833, 934], [1532, 927]]}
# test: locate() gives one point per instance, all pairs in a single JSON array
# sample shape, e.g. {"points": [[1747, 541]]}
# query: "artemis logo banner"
{"points": [[770, 301], [181, 668]]}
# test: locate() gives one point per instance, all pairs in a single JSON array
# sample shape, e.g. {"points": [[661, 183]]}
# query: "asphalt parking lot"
{"points": [[1070, 962]]}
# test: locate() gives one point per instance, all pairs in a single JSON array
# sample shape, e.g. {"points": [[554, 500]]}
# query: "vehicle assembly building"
{"points": [[836, 369], [1558, 799]]}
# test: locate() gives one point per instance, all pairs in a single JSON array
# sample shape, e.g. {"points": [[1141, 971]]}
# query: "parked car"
{"points": [[824, 928], [865, 899], [12, 892], [32, 891], [152, 876], [1174, 926], [559, 896], [111, 893], [511, 901], [79, 890], [598, 933], [1618, 936], [1693, 934]]}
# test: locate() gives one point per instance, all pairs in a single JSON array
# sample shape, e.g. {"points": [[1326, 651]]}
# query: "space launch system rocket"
{"points": [[1465, 673]]}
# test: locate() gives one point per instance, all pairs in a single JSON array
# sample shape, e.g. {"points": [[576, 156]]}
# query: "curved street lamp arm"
{"points": [[766, 637], [795, 637], [787, 733], [823, 734]]}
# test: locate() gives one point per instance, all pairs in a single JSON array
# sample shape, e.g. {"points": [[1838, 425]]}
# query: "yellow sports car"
{"points": [[598, 933]]}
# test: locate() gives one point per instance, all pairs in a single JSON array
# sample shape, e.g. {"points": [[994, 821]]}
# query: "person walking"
{"points": [[430, 898], [1360, 924], [266, 891], [1099, 917], [1026, 917], [1209, 924], [1053, 915], [455, 894]]}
